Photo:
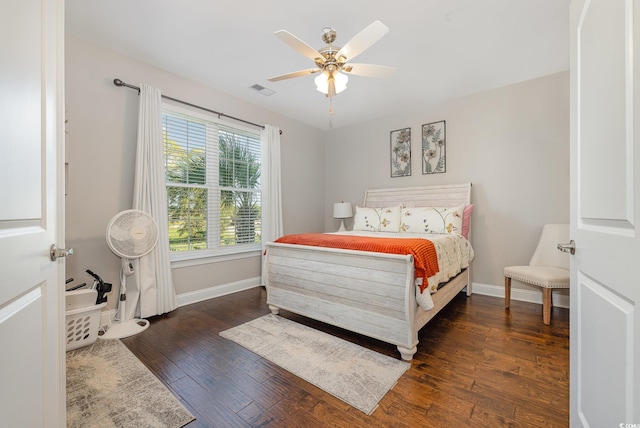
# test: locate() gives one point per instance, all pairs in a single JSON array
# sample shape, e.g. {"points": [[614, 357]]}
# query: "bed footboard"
{"points": [[369, 293]]}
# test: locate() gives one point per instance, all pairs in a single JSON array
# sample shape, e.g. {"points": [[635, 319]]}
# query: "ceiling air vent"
{"points": [[262, 90]]}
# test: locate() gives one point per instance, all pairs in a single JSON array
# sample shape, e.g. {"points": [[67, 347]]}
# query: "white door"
{"points": [[605, 207], [32, 384]]}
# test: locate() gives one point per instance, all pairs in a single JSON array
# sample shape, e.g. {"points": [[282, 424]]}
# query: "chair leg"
{"points": [[546, 306], [507, 291]]}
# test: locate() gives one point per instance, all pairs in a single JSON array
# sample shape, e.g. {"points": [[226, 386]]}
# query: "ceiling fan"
{"points": [[331, 61]]}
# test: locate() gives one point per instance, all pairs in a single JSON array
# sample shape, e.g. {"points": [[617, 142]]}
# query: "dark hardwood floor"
{"points": [[477, 365]]}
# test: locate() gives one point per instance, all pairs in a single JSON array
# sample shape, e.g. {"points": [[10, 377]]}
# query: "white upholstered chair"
{"points": [[548, 268]]}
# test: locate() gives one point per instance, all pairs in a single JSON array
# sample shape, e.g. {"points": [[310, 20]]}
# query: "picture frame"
{"points": [[400, 156], [434, 145]]}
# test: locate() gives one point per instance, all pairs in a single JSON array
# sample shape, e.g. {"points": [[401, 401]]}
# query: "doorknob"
{"points": [[56, 252], [568, 248]]}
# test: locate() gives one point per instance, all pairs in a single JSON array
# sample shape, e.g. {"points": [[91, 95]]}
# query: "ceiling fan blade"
{"points": [[299, 45], [363, 40], [294, 74], [369, 70]]}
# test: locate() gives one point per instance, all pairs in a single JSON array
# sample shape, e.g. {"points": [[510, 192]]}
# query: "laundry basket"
{"points": [[82, 318]]}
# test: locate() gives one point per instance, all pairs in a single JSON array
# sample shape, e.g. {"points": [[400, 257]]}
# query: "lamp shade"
{"points": [[341, 80], [322, 82], [342, 210]]}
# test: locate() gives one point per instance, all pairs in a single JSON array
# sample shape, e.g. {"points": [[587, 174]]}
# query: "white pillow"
{"points": [[377, 219], [432, 220]]}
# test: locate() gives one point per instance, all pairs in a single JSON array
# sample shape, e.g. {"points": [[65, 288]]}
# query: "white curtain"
{"points": [[271, 186], [153, 293]]}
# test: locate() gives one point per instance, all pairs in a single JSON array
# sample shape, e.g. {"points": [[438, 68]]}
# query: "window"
{"points": [[213, 185]]}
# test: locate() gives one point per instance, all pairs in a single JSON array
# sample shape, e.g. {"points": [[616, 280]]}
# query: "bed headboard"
{"points": [[447, 195]]}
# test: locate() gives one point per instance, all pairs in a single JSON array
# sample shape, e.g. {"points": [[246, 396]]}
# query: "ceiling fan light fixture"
{"points": [[323, 85], [340, 80], [322, 82]]}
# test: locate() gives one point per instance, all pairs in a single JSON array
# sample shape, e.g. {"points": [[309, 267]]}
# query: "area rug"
{"points": [[356, 375], [107, 386]]}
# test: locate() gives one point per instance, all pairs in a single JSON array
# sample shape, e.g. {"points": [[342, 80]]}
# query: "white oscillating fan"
{"points": [[130, 234]]}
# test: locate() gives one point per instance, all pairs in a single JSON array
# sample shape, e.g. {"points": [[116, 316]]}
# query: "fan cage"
{"points": [[132, 234]]}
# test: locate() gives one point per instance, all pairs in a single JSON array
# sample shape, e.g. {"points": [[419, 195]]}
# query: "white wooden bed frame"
{"points": [[369, 293]]}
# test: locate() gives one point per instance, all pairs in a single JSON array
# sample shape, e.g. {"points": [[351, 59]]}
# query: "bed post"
{"points": [[407, 354]]}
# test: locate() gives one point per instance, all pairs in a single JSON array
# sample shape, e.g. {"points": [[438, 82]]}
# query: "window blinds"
{"points": [[213, 183]]}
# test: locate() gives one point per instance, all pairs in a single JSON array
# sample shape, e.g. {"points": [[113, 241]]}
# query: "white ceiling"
{"points": [[442, 49]]}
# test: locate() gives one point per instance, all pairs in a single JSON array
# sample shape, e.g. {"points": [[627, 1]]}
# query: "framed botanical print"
{"points": [[434, 144], [401, 152]]}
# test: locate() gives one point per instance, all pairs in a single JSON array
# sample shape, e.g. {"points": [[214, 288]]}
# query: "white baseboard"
{"points": [[218, 291], [531, 296]]}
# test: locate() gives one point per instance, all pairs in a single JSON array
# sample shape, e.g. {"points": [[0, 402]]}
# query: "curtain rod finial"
{"points": [[118, 82]]}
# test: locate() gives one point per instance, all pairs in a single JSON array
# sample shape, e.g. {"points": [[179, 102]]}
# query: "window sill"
{"points": [[181, 260]]}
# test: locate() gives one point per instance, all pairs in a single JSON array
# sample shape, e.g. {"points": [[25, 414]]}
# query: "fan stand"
{"points": [[125, 328]]}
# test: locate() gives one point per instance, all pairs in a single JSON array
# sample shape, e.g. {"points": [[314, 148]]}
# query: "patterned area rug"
{"points": [[356, 375], [107, 386]]}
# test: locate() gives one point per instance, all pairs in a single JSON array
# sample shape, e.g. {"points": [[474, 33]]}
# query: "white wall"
{"points": [[512, 143], [102, 128]]}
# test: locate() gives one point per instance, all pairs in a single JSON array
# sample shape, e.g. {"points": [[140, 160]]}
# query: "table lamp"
{"points": [[342, 210]]}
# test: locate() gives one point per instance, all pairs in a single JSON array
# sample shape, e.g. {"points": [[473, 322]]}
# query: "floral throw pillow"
{"points": [[432, 220], [377, 219]]}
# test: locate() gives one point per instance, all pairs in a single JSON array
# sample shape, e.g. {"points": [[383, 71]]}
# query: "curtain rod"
{"points": [[120, 83]]}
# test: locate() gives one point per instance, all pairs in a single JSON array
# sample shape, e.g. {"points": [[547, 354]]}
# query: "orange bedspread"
{"points": [[425, 259]]}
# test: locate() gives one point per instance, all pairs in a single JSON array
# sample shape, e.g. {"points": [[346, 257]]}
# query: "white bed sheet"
{"points": [[454, 254]]}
